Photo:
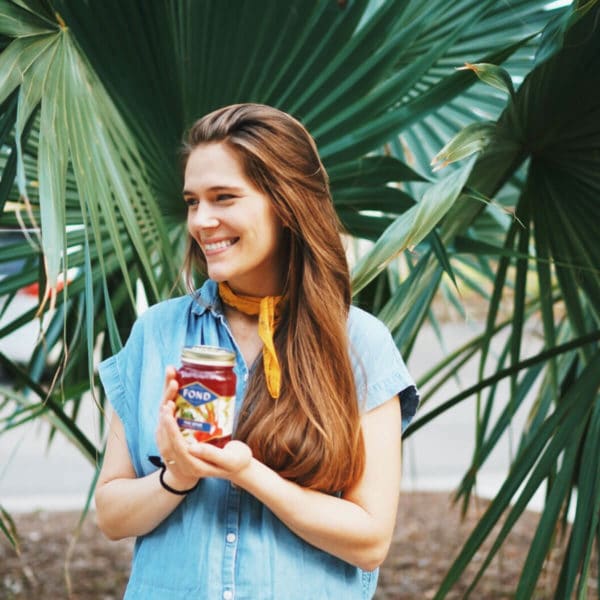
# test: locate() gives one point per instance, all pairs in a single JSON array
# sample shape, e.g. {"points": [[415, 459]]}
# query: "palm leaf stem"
{"points": [[74, 433], [577, 343]]}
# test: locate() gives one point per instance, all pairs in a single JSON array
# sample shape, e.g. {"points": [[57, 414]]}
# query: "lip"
{"points": [[218, 246]]}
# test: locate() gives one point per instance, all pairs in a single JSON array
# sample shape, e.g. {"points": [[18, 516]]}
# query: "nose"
{"points": [[203, 216]]}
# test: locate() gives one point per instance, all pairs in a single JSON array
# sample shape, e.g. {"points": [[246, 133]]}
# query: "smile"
{"points": [[220, 245]]}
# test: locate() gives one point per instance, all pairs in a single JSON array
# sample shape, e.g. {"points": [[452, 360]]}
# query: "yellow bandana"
{"points": [[265, 309]]}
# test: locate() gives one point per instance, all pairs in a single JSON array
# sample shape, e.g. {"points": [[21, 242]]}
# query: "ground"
{"points": [[429, 534]]}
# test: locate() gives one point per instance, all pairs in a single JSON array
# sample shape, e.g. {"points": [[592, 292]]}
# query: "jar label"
{"points": [[203, 415], [196, 394]]}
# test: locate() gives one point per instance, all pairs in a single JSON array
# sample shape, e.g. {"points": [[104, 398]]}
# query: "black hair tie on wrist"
{"points": [[157, 462]]}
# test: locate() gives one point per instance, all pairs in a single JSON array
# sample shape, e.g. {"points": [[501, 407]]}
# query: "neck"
{"points": [[270, 282], [254, 291]]}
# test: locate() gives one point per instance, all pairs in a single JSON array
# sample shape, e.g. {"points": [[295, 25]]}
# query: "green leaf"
{"points": [[372, 170], [7, 526], [16, 60], [16, 21], [579, 550], [52, 410], [473, 138], [52, 168], [499, 375], [385, 199], [553, 35], [411, 227], [492, 75], [568, 419]]}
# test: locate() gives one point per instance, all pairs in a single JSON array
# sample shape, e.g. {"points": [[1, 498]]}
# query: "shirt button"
{"points": [[227, 595], [230, 538]]}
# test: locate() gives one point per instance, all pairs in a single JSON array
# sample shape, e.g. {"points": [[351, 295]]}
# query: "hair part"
{"points": [[311, 434]]}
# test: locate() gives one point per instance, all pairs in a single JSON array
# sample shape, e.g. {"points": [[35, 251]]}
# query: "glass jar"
{"points": [[205, 404]]}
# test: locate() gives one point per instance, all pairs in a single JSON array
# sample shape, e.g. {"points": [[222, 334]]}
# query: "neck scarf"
{"points": [[265, 308]]}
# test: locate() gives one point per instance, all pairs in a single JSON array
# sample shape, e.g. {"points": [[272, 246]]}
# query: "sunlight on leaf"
{"points": [[411, 227], [473, 138], [492, 75]]}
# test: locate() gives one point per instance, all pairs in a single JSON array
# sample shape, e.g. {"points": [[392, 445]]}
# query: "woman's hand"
{"points": [[185, 462], [225, 462]]}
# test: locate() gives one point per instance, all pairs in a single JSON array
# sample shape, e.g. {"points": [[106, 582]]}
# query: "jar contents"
{"points": [[205, 404]]}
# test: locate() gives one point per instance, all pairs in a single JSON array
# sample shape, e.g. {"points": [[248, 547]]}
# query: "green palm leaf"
{"points": [[566, 238]]}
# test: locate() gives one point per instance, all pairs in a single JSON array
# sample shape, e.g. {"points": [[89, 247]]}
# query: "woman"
{"points": [[302, 504]]}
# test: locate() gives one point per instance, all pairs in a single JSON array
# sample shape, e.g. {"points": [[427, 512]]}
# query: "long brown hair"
{"points": [[311, 434]]}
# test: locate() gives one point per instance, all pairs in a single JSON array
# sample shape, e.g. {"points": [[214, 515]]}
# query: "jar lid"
{"points": [[208, 355]]}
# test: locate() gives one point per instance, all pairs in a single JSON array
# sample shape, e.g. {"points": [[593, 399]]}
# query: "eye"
{"points": [[190, 201], [223, 196]]}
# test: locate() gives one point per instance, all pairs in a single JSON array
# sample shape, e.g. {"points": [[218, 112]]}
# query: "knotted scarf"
{"points": [[265, 308]]}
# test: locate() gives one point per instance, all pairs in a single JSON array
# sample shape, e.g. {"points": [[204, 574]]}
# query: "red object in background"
{"points": [[33, 289]]}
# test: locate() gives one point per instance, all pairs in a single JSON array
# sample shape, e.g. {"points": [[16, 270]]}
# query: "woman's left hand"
{"points": [[222, 462], [196, 460]]}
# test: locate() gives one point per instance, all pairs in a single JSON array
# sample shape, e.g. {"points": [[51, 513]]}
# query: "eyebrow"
{"points": [[215, 188]]}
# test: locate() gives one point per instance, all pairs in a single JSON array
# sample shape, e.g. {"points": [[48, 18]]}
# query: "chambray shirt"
{"points": [[221, 542]]}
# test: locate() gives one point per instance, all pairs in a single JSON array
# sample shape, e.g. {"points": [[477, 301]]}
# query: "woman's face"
{"points": [[234, 223]]}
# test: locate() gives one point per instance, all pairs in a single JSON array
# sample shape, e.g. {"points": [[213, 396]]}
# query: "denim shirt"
{"points": [[221, 542]]}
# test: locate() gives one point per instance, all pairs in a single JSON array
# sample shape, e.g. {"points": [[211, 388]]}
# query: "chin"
{"points": [[218, 275]]}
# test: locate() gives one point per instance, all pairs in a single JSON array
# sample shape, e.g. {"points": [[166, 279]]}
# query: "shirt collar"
{"points": [[207, 298]]}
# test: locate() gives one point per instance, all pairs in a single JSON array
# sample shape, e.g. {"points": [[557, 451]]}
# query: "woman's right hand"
{"points": [[187, 463]]}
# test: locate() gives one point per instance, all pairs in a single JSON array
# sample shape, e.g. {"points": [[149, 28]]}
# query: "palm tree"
{"points": [[94, 97]]}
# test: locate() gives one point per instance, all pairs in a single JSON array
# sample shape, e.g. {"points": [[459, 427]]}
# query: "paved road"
{"points": [[33, 476]]}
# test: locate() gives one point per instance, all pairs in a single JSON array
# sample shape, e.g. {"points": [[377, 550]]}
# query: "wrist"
{"points": [[164, 473], [244, 476], [177, 483]]}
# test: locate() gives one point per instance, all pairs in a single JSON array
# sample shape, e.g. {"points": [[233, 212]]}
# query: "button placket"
{"points": [[231, 539]]}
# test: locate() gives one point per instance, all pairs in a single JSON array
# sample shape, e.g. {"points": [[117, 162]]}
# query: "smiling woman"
{"points": [[302, 503]]}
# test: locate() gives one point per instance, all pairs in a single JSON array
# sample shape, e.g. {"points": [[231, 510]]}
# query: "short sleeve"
{"points": [[379, 370], [120, 375]]}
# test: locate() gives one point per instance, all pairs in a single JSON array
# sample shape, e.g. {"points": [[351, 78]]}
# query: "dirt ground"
{"points": [[429, 534]]}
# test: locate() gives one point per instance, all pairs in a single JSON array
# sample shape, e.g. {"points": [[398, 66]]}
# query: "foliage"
{"points": [[93, 101]]}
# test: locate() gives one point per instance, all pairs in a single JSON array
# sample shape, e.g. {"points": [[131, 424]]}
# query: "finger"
{"points": [[233, 457], [164, 434], [170, 428], [174, 449], [205, 452], [168, 436], [206, 468], [167, 414], [171, 385]]}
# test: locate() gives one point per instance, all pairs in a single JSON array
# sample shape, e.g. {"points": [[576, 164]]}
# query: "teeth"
{"points": [[219, 245]]}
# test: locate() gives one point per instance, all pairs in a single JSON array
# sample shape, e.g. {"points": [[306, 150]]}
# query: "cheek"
{"points": [[273, 229]]}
